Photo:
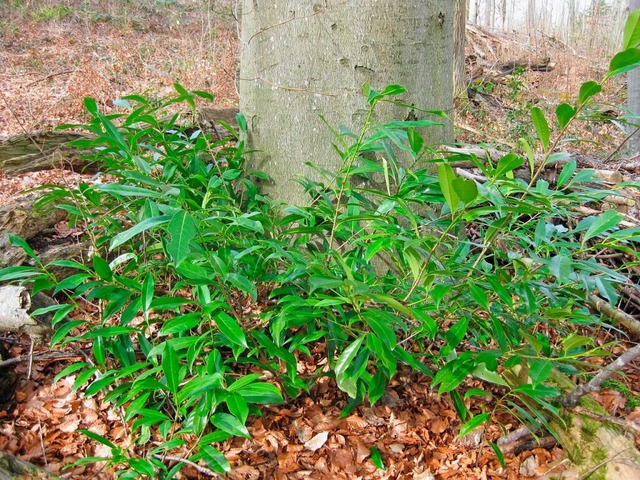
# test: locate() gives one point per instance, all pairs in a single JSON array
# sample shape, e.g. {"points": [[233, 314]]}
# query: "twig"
{"points": [[594, 384], [600, 465], [40, 357], [51, 75], [518, 434], [615, 314], [203, 470]]}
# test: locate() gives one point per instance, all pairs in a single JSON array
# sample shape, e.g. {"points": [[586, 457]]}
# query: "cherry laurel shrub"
{"points": [[200, 288]]}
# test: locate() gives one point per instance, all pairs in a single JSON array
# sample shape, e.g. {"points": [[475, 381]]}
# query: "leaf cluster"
{"points": [[200, 287]]}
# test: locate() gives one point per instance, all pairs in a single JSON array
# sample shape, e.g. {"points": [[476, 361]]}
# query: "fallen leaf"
{"points": [[317, 441]]}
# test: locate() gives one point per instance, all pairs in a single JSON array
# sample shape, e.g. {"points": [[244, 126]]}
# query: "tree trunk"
{"points": [[459, 29], [304, 60], [633, 102]]}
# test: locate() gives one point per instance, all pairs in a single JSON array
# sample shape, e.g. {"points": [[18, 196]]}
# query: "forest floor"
{"points": [[53, 54]]}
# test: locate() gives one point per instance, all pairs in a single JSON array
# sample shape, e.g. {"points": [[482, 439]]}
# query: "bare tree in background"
{"points": [[633, 99], [459, 32]]}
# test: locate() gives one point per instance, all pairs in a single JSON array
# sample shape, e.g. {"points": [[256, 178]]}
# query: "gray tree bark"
{"points": [[633, 99], [459, 29], [303, 59]]}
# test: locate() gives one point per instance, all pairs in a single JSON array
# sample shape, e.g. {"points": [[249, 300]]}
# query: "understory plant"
{"points": [[200, 289]]}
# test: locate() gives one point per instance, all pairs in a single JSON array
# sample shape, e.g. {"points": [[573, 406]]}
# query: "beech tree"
{"points": [[305, 61]]}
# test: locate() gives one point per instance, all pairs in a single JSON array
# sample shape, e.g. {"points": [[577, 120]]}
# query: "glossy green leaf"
{"points": [[381, 324], [446, 175], [376, 458], [561, 267], [237, 406], [214, 459], [147, 224], [230, 329], [230, 424], [508, 163], [347, 383], [171, 368], [261, 393], [182, 229], [624, 61], [499, 454], [98, 438], [474, 423], [466, 189], [541, 125], [588, 90], [244, 285], [603, 222], [101, 267], [564, 114], [631, 33], [539, 370], [567, 172]]}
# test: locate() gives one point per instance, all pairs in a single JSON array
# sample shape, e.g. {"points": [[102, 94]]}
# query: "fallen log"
{"points": [[20, 218], [43, 150], [12, 468], [46, 150]]}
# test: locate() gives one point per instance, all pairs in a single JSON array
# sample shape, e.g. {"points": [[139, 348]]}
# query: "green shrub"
{"points": [[199, 285]]}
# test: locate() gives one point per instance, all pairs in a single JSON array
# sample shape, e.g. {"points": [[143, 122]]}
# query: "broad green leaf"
{"points": [[561, 267], [17, 273], [142, 466], [376, 458], [564, 113], [171, 368], [499, 454], [381, 323], [449, 378], [574, 341], [605, 221], [182, 229], [69, 370], [588, 90], [530, 156], [261, 393], [122, 237], [466, 189], [539, 370], [98, 438], [63, 331], [347, 383], [91, 105], [214, 459], [392, 90], [567, 172], [146, 293], [631, 35], [508, 163], [244, 285], [101, 267], [624, 61], [230, 329], [483, 373], [542, 127], [128, 190], [237, 405], [19, 242], [230, 424], [446, 175], [474, 423]]}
